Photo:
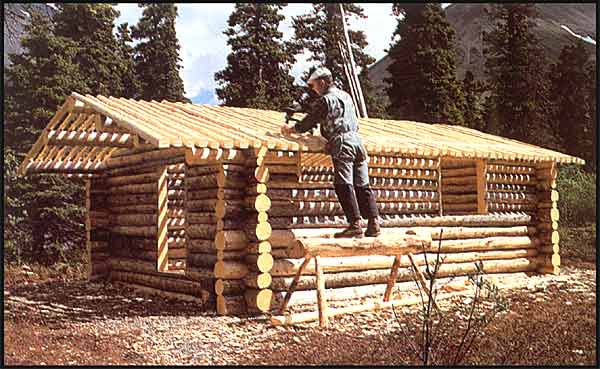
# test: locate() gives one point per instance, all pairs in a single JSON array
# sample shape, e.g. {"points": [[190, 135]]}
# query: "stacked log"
{"points": [[503, 243], [143, 233], [97, 228], [265, 166], [547, 218], [216, 241], [460, 187], [511, 187]]}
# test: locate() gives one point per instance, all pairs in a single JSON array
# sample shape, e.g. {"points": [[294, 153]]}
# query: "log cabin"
{"points": [[206, 203]]}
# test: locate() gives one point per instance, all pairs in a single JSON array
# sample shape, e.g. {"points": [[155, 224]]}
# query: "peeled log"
{"points": [[230, 305], [259, 247], [229, 286], [262, 262], [230, 270], [231, 240], [391, 244], [289, 267], [258, 299], [258, 280], [201, 300]]}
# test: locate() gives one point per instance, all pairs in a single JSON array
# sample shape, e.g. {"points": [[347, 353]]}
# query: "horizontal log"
{"points": [[258, 300], [375, 183], [458, 180], [283, 238], [138, 231], [144, 167], [216, 193], [260, 262], [284, 268], [307, 208], [135, 209], [201, 300], [133, 265], [502, 206], [206, 219], [219, 207], [459, 199], [390, 244], [133, 199], [469, 207], [547, 226], [512, 198], [459, 172], [216, 169], [229, 287], [260, 247], [456, 189], [126, 180], [230, 305], [258, 280], [329, 194], [156, 155], [209, 260], [230, 270], [212, 181], [205, 275], [164, 283], [134, 220], [151, 187]]}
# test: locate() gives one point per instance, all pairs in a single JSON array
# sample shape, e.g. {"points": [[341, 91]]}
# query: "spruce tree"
{"points": [[43, 214], [473, 109], [321, 31], [91, 26], [571, 95], [258, 71], [131, 85], [517, 75], [157, 53], [422, 85]]}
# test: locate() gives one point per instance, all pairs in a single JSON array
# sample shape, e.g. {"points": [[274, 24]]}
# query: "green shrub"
{"points": [[577, 191]]}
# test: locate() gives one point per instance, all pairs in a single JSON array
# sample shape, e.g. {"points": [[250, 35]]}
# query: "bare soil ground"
{"points": [[551, 320]]}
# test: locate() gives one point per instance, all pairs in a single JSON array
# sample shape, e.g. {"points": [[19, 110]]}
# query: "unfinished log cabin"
{"points": [[206, 203]]}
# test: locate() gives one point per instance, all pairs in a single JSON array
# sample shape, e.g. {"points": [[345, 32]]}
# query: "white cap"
{"points": [[319, 73]]}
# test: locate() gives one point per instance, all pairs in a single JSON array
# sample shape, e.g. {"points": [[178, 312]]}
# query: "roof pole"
{"points": [[362, 106]]}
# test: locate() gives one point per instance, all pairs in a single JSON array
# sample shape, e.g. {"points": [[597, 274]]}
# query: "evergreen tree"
{"points": [[91, 26], [321, 31], [258, 70], [517, 76], [422, 85], [42, 214], [157, 54], [570, 93], [131, 85], [473, 109]]}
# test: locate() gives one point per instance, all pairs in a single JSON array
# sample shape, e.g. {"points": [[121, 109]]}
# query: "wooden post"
{"points": [[162, 261], [294, 283], [481, 169], [392, 279], [321, 298]]}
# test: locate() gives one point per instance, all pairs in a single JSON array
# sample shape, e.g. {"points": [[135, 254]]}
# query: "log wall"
{"points": [[146, 211], [97, 228], [214, 228], [459, 187]]}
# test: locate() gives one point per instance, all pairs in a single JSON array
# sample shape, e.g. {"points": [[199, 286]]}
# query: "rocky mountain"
{"points": [[469, 20], [15, 17]]}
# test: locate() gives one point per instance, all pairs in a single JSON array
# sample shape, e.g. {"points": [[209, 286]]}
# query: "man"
{"points": [[335, 111]]}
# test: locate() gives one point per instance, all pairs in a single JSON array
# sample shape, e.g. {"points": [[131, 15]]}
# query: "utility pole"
{"points": [[362, 108]]}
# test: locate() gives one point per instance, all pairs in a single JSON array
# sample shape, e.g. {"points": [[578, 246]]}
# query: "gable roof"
{"points": [[86, 130]]}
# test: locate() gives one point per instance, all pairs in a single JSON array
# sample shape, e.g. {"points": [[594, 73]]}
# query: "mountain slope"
{"points": [[469, 20], [15, 17]]}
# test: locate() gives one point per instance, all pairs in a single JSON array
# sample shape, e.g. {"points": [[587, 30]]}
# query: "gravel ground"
{"points": [[551, 320]]}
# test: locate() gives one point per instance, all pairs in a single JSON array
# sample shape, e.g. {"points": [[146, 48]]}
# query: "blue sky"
{"points": [[204, 48]]}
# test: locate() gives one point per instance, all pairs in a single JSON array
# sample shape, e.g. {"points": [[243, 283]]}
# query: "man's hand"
{"points": [[287, 130]]}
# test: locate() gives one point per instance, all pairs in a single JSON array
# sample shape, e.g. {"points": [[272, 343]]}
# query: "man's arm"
{"points": [[317, 114]]}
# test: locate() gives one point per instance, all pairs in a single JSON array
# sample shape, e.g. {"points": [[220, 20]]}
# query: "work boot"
{"points": [[373, 229], [353, 230]]}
